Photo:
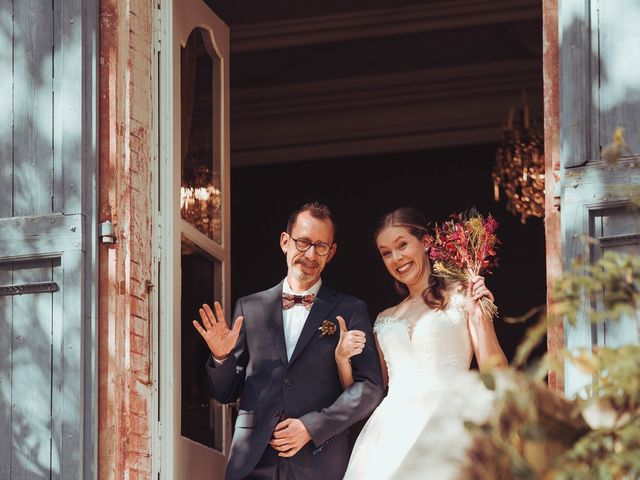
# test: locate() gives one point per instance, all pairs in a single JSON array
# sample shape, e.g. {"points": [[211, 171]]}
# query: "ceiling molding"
{"points": [[385, 113], [444, 14], [389, 89]]}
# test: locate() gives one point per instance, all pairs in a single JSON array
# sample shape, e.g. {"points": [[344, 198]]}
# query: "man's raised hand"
{"points": [[220, 339]]}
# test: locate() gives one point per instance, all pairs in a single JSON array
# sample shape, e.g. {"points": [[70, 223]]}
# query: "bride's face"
{"points": [[403, 254]]}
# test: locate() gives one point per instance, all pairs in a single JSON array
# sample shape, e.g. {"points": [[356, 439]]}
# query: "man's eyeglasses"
{"points": [[302, 245]]}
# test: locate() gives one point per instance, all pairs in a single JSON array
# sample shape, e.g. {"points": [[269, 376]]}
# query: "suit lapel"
{"points": [[273, 307], [323, 304]]}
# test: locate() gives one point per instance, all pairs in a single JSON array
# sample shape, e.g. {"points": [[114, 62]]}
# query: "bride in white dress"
{"points": [[426, 344]]}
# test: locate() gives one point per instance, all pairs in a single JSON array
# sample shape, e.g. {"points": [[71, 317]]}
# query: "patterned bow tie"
{"points": [[289, 300]]}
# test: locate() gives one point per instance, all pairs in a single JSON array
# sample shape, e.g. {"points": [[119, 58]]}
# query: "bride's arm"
{"points": [[485, 343], [345, 372], [343, 361]]}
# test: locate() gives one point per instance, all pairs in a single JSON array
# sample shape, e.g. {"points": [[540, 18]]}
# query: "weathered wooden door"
{"points": [[599, 91], [194, 234], [47, 228]]}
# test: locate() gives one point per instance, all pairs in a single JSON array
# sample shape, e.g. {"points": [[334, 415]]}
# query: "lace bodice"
{"points": [[436, 347]]}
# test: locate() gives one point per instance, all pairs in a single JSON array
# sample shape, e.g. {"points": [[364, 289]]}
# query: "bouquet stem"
{"points": [[489, 309]]}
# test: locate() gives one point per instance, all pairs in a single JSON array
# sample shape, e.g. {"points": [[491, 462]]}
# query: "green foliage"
{"points": [[533, 336], [499, 452], [603, 453], [608, 289], [616, 374], [605, 290]]}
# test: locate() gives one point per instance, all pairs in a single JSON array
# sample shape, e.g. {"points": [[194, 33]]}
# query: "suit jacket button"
{"points": [[276, 413], [287, 382]]}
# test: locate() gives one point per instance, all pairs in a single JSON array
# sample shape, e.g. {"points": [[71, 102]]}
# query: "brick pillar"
{"points": [[124, 399], [551, 82]]}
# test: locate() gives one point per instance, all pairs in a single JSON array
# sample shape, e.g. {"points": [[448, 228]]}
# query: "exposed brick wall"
{"points": [[551, 81], [124, 401]]}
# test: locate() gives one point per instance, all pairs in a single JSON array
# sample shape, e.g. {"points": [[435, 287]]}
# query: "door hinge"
{"points": [[107, 234], [22, 289]]}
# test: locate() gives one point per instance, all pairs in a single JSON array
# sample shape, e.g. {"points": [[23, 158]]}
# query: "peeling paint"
{"points": [[551, 82], [124, 398]]}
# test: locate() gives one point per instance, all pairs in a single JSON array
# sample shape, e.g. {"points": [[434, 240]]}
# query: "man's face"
{"points": [[305, 267]]}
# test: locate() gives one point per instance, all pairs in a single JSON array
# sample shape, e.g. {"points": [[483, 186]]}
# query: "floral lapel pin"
{"points": [[327, 328]]}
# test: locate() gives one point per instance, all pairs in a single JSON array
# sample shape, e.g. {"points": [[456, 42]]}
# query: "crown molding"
{"points": [[384, 113], [386, 89], [444, 14]]}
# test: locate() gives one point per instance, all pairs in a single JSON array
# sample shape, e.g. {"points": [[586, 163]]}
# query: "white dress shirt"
{"points": [[294, 318]]}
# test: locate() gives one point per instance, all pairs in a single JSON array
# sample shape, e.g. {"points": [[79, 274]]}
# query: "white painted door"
{"points": [[193, 234]]}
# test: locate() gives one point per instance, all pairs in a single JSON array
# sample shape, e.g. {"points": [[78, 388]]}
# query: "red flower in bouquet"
{"points": [[464, 246]]}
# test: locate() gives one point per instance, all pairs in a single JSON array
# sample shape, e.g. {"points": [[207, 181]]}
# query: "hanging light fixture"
{"points": [[519, 169], [200, 202]]}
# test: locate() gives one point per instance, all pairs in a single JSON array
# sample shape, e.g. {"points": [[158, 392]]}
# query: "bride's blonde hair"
{"points": [[435, 295]]}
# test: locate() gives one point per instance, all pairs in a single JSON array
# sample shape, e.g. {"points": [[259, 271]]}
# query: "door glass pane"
{"points": [[619, 102], [201, 418], [201, 196]]}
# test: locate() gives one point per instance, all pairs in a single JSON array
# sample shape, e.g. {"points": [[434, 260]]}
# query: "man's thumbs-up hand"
{"points": [[351, 342]]}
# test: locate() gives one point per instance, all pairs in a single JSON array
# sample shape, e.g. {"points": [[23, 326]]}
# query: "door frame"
{"points": [[90, 161], [165, 424]]}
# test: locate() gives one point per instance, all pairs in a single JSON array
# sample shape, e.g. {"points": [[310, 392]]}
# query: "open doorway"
{"points": [[368, 106], [360, 190]]}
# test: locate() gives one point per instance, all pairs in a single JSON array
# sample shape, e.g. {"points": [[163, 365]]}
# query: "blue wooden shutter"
{"points": [[47, 247], [599, 91]]}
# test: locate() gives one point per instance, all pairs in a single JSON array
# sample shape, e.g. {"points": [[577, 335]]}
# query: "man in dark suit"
{"points": [[278, 358]]}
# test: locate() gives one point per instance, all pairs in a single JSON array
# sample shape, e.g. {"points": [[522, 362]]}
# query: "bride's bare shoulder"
{"points": [[455, 291], [388, 312], [388, 315], [457, 296], [455, 288], [391, 311]]}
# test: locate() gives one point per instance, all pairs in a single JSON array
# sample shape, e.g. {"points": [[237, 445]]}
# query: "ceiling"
{"points": [[236, 13], [325, 79]]}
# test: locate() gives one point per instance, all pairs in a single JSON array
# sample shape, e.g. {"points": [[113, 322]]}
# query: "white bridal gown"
{"points": [[418, 431]]}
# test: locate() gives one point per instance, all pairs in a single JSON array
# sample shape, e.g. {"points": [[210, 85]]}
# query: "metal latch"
{"points": [[36, 287]]}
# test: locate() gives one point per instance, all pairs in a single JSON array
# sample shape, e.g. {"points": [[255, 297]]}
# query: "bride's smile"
{"points": [[404, 267]]}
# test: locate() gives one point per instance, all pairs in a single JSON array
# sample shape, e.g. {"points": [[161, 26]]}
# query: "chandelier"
{"points": [[200, 204], [519, 168]]}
